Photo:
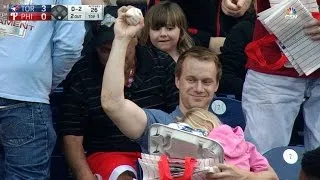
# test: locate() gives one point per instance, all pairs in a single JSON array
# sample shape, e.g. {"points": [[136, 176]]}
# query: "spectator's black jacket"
{"points": [[233, 57]]}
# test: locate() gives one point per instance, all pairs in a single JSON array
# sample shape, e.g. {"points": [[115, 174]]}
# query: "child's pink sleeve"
{"points": [[257, 161]]}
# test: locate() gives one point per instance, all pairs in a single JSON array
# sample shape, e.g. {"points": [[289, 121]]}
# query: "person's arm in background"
{"points": [[233, 57], [76, 158], [232, 13], [68, 37], [72, 124]]}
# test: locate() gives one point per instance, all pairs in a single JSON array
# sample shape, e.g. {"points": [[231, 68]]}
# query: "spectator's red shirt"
{"points": [[272, 52]]}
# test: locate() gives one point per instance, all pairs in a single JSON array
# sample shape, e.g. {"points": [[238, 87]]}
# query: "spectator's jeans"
{"points": [[271, 104], [27, 139]]}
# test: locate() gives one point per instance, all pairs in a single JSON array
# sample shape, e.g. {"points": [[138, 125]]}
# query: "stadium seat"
{"points": [[232, 96], [286, 161], [229, 111]]}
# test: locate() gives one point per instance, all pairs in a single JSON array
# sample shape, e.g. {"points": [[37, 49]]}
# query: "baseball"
{"points": [[134, 16]]}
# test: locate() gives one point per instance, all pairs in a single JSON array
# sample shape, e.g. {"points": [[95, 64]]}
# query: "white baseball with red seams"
{"points": [[135, 16]]}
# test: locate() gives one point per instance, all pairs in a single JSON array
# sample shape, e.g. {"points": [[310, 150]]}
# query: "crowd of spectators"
{"points": [[119, 79]]}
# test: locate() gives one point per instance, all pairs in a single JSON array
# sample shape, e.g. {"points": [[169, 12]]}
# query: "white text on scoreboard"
{"points": [[77, 12], [85, 12]]}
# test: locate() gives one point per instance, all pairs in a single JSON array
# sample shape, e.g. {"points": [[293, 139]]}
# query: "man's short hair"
{"points": [[201, 54]]}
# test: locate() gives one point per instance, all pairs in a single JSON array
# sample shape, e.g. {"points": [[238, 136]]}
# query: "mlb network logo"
{"points": [[291, 13]]}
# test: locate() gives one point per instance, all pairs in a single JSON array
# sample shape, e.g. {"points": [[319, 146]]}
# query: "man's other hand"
{"points": [[228, 172], [312, 29]]}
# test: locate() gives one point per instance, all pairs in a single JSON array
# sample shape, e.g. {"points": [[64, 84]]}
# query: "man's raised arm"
{"points": [[128, 117]]}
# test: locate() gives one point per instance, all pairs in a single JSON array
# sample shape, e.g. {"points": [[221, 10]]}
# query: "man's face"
{"points": [[197, 84], [104, 51]]}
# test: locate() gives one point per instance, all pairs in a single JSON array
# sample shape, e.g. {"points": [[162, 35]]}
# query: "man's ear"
{"points": [[177, 82], [217, 87]]}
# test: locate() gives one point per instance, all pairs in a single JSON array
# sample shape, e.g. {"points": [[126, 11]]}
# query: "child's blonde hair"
{"points": [[199, 118], [163, 14]]}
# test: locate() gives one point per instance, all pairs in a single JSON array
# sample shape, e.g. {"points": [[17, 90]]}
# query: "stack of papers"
{"points": [[286, 19], [311, 5], [149, 165]]}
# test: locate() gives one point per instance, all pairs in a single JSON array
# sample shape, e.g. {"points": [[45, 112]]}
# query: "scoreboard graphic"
{"points": [[55, 12]]}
